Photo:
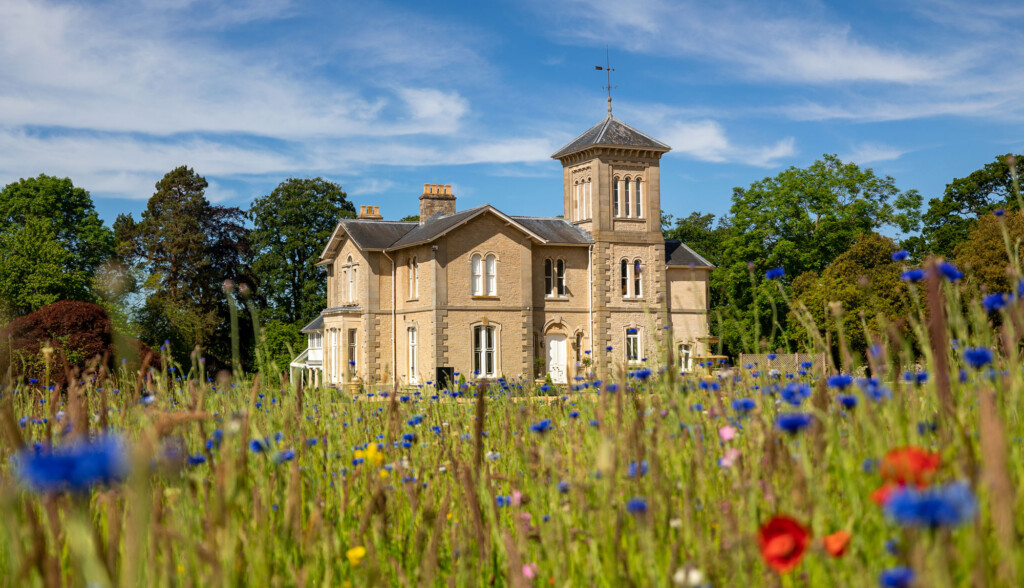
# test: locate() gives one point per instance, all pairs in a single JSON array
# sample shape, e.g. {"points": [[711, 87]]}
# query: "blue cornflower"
{"points": [[563, 487], [978, 356], [999, 211], [409, 436], [311, 441], [574, 415], [898, 577], [77, 467], [197, 459], [950, 271], [545, 388], [793, 422], [848, 401], [637, 505], [795, 393], [594, 423], [994, 302], [503, 500], [608, 348], [914, 275], [806, 365], [938, 506], [775, 273], [541, 427], [900, 255], [772, 356], [743, 405], [637, 469], [841, 381], [257, 445], [916, 377]]}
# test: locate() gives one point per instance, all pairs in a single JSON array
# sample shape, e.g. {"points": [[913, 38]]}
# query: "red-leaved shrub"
{"points": [[78, 333]]}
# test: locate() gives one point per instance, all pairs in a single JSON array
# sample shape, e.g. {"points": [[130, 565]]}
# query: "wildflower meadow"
{"points": [[901, 468]]}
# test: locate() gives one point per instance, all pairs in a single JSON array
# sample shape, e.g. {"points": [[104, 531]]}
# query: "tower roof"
{"points": [[611, 132]]}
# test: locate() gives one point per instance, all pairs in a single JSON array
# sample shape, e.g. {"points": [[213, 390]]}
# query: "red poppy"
{"points": [[783, 542], [909, 465], [835, 544]]}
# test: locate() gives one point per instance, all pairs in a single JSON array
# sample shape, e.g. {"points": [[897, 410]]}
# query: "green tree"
{"points": [[950, 219], [70, 213], [36, 269], [278, 336], [291, 225], [699, 232], [865, 281], [186, 248], [983, 255], [800, 220]]}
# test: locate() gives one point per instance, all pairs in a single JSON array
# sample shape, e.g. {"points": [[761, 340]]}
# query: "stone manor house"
{"points": [[482, 293]]}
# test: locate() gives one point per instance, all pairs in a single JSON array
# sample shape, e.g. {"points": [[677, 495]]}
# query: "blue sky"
{"points": [[384, 96]]}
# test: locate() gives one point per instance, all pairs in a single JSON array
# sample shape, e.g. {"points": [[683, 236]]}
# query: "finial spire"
{"points": [[608, 69]]}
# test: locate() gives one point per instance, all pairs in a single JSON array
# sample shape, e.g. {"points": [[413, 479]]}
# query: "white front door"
{"points": [[555, 345]]}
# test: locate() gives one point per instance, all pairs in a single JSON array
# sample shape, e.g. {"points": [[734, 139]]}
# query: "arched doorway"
{"points": [[555, 355]]}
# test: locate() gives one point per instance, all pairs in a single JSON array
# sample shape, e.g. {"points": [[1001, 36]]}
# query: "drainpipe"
{"points": [[590, 299], [394, 340]]}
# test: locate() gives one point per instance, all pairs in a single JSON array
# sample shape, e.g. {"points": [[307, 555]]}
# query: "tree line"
{"points": [[171, 277], [833, 228]]}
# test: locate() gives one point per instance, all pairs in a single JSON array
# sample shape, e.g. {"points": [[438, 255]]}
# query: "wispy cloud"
{"points": [[864, 153]]}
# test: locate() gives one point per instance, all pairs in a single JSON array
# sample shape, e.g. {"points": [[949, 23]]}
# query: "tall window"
{"points": [[576, 214], [560, 277], [412, 355], [352, 350], [615, 197], [483, 351], [627, 211], [549, 277], [414, 278], [351, 280], [477, 270], [492, 275], [624, 272], [344, 282], [589, 201], [632, 345], [637, 279], [639, 198], [685, 352]]}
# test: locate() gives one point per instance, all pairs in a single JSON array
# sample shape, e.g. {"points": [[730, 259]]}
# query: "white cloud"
{"points": [[706, 140], [871, 152]]}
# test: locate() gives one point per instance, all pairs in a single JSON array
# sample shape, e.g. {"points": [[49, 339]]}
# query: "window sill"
{"points": [[629, 218], [478, 297], [417, 299], [557, 298]]}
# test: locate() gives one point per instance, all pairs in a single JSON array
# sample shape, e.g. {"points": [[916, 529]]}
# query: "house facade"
{"points": [[483, 293]]}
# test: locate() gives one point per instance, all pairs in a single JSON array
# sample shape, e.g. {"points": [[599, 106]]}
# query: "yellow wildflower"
{"points": [[355, 555], [383, 474]]}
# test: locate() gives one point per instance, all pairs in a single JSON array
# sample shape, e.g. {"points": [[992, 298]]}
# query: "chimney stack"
{"points": [[369, 212], [436, 198]]}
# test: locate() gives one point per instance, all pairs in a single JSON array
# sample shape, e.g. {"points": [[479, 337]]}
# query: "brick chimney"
{"points": [[436, 198], [369, 212]]}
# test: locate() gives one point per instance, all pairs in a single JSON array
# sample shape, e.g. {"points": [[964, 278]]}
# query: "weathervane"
{"points": [[607, 68]]}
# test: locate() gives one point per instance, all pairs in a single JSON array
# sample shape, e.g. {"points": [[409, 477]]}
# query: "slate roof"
{"points": [[316, 325], [376, 234], [433, 227], [613, 133], [678, 253], [555, 230]]}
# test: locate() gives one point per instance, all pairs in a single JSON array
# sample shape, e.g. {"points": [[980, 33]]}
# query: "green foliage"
{"points": [[36, 269], [699, 232], [277, 336], [70, 212], [291, 225], [950, 219], [411, 218], [866, 283], [983, 254], [185, 248]]}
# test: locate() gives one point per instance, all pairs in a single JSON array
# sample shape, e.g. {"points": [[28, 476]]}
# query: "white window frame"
{"points": [[484, 341], [639, 198], [625, 277], [560, 290], [638, 282], [351, 280], [616, 199], [414, 278], [476, 271], [412, 355], [549, 278], [626, 201], [685, 356], [633, 345], [491, 275]]}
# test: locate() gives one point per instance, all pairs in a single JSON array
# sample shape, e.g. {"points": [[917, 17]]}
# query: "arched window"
{"points": [[615, 197], [628, 211], [637, 279], [589, 203], [560, 277], [344, 285], [492, 275], [549, 277], [477, 271], [351, 281], [624, 269], [639, 199], [414, 278], [576, 201]]}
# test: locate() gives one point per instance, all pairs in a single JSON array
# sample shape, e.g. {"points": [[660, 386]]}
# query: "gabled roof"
{"points": [[678, 253], [368, 234], [611, 132], [315, 325], [441, 224], [555, 230]]}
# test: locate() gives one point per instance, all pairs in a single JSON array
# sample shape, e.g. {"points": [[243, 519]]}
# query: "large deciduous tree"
{"points": [[800, 220], [36, 269], [186, 247], [70, 214], [291, 226], [983, 254]]}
